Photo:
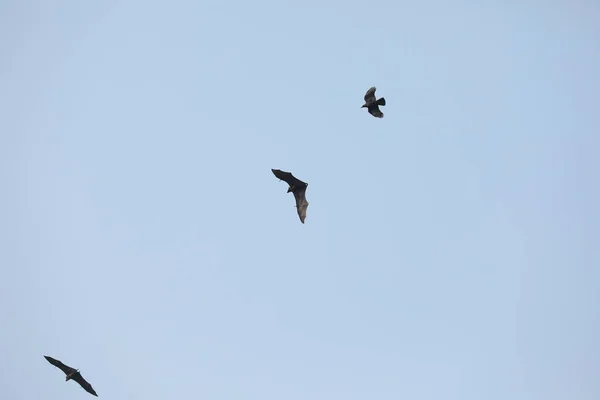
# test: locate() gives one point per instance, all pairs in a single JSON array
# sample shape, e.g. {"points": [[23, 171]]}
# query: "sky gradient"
{"points": [[450, 249]]}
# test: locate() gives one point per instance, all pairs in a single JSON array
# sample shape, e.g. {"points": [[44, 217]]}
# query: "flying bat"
{"points": [[298, 188], [372, 104], [73, 374]]}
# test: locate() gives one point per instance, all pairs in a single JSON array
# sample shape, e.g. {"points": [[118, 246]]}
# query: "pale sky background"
{"points": [[450, 249]]}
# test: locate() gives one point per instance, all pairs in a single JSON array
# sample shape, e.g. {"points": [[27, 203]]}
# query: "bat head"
{"points": [[69, 376], [364, 105], [290, 189]]}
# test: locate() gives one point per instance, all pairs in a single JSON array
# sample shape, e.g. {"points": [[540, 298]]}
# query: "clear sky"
{"points": [[450, 251]]}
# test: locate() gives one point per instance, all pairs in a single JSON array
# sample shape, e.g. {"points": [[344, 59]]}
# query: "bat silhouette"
{"points": [[298, 188], [372, 104], [73, 374]]}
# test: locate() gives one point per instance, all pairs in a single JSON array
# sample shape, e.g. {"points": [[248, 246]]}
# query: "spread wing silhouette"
{"points": [[372, 103], [288, 178], [298, 188], [301, 203], [370, 95], [73, 373], [84, 384], [64, 368], [375, 111]]}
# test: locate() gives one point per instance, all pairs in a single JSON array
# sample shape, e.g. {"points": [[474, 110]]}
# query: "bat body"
{"points": [[73, 374], [372, 104], [298, 188]]}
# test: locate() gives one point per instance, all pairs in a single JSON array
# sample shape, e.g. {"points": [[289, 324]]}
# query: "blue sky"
{"points": [[450, 249]]}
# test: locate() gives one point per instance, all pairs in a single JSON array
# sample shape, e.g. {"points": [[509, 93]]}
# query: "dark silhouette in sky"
{"points": [[298, 188], [73, 374], [372, 104]]}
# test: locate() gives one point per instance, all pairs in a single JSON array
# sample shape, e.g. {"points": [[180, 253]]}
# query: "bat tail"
{"points": [[381, 101]]}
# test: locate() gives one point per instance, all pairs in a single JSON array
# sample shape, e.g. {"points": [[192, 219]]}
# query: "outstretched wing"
{"points": [[375, 111], [370, 95], [64, 368], [288, 177], [301, 202], [84, 384]]}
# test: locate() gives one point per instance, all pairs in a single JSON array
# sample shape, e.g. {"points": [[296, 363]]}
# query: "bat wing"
{"points": [[375, 111], [64, 368], [84, 384], [370, 95], [301, 202], [288, 177]]}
